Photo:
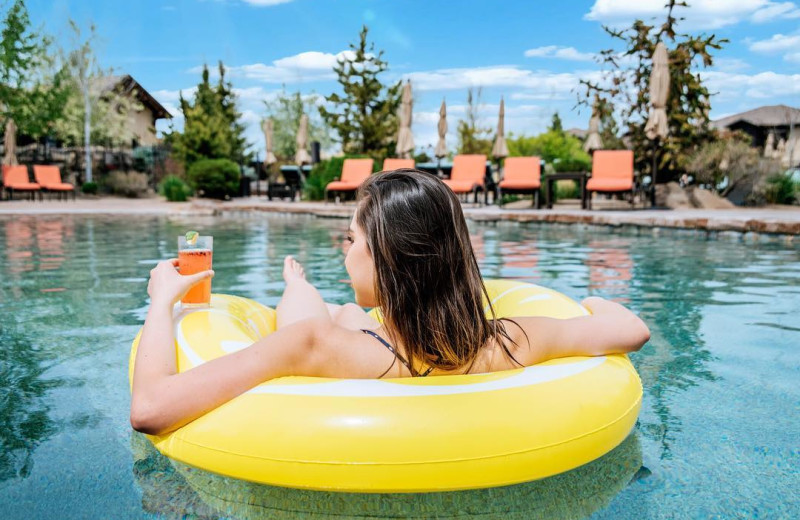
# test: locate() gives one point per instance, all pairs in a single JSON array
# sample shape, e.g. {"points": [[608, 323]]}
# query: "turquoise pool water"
{"points": [[718, 435]]}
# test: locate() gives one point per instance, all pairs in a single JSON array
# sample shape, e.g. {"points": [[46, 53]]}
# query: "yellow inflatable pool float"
{"points": [[410, 434]]}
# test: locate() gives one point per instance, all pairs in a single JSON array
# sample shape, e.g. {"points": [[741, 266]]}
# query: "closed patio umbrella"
{"points": [[500, 148], [302, 156], [10, 143], [780, 151], [769, 147], [441, 145], [657, 124], [269, 156], [593, 141], [405, 139]]}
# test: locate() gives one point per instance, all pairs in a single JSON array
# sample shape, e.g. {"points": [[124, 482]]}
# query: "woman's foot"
{"points": [[292, 270]]}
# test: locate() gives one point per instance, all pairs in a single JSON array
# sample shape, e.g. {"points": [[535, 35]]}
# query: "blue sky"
{"points": [[531, 52]]}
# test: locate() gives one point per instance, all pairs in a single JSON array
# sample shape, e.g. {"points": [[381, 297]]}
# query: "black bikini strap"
{"points": [[393, 351]]}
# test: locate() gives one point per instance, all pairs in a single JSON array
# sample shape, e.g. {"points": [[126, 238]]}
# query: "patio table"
{"points": [[565, 176]]}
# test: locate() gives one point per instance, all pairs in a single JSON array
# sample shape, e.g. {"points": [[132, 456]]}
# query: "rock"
{"points": [[705, 199], [671, 195]]}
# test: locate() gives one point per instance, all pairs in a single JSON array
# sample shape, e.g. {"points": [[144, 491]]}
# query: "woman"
{"points": [[409, 254]]}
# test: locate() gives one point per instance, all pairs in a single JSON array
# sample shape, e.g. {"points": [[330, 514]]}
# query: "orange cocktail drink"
{"points": [[194, 256]]}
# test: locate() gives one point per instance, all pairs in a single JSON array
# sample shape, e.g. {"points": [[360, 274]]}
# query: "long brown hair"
{"points": [[427, 282]]}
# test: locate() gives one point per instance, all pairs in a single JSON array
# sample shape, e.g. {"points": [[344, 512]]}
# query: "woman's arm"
{"points": [[163, 400], [610, 329]]}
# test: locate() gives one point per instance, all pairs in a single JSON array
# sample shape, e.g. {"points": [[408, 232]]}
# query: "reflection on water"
{"points": [[676, 357], [721, 367], [610, 268], [174, 489], [25, 420]]}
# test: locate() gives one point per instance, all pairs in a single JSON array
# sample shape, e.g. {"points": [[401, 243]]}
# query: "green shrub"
{"points": [[562, 150], [174, 189], [89, 188], [573, 164], [567, 190], [129, 184], [214, 178], [734, 168], [508, 199], [321, 174], [781, 189]]}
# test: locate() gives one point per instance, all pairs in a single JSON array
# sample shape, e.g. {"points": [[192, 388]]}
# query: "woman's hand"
{"points": [[167, 286]]}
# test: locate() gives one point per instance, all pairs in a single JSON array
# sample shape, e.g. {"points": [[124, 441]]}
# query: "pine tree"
{"points": [[555, 124], [365, 115], [232, 117], [211, 128]]}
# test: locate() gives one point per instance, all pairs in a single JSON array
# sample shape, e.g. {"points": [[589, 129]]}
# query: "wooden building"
{"points": [[782, 121], [143, 122]]}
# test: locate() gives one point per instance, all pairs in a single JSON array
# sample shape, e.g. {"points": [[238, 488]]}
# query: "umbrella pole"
{"points": [[654, 171]]}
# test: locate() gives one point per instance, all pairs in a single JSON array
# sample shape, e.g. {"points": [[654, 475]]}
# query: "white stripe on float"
{"points": [[536, 297], [183, 343], [377, 388], [507, 291]]}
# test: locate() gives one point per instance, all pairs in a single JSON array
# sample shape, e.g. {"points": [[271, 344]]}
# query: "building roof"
{"points": [[580, 133], [768, 116], [127, 84]]}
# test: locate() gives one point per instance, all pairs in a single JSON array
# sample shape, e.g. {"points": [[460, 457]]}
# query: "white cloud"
{"points": [[303, 67], [537, 96], [173, 96], [763, 85], [535, 82], [778, 43], [776, 10], [559, 52], [253, 94], [793, 57], [702, 14], [250, 117], [312, 60], [730, 64]]}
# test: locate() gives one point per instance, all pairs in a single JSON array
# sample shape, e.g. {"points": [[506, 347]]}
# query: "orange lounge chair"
{"points": [[468, 175], [49, 178], [397, 164], [15, 178], [521, 175], [612, 172], [354, 172]]}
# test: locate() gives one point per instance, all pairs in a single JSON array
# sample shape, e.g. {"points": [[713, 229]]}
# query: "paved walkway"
{"points": [[783, 220]]}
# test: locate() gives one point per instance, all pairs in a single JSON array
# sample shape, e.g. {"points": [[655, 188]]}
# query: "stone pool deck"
{"points": [[775, 220]]}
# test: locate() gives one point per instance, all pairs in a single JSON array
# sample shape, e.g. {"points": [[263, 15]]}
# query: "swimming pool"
{"points": [[718, 435]]}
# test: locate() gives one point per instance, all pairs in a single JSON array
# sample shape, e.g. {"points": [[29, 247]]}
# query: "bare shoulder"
{"points": [[346, 353]]}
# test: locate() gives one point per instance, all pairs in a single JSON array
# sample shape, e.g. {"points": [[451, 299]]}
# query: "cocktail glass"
{"points": [[195, 257]]}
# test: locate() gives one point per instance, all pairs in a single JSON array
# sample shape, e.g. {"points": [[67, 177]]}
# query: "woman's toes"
{"points": [[292, 269]]}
